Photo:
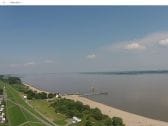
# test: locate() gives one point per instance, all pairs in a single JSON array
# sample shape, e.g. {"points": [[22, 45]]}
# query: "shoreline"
{"points": [[32, 87], [129, 119]]}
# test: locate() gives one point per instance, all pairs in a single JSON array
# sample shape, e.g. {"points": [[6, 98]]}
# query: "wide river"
{"points": [[144, 94]]}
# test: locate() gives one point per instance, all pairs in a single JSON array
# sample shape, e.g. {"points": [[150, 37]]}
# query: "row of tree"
{"points": [[34, 95], [10, 79], [18, 85]]}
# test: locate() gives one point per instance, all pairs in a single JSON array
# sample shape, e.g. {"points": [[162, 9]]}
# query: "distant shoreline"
{"points": [[134, 72]]}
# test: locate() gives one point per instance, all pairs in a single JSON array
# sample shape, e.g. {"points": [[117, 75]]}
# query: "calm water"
{"points": [[145, 94]]}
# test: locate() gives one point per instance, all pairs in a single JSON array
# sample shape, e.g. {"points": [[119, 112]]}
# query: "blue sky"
{"points": [[73, 39]]}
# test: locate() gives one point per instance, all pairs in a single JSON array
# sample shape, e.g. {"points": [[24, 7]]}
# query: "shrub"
{"points": [[117, 121], [88, 123]]}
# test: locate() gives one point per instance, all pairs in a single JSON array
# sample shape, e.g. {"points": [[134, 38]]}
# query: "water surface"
{"points": [[143, 94]]}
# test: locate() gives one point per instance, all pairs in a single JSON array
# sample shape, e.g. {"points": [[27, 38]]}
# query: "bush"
{"points": [[30, 94], [108, 121], [51, 95], [96, 113], [40, 95], [117, 121], [88, 123]]}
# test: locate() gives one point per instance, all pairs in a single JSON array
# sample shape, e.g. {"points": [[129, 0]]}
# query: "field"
{"points": [[44, 107], [19, 113]]}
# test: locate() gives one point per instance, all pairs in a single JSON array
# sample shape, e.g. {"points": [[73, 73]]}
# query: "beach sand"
{"points": [[33, 88], [128, 118]]}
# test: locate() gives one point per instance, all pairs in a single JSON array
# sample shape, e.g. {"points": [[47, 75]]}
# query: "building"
{"points": [[25, 97], [1, 109], [76, 120]]}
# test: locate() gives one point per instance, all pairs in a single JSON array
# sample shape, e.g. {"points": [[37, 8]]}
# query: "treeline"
{"points": [[10, 79], [89, 116], [39, 95], [19, 86], [32, 94]]}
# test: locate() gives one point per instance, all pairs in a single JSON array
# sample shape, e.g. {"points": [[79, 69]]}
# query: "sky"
{"points": [[51, 39]]}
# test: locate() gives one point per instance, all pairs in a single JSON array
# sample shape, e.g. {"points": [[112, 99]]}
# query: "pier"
{"points": [[87, 94], [92, 94]]}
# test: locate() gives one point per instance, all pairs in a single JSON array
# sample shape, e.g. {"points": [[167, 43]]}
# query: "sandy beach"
{"points": [[128, 118], [33, 88]]}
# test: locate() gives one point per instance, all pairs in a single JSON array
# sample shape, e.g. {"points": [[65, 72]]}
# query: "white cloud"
{"points": [[29, 64], [163, 42], [151, 41], [135, 46], [48, 61], [91, 56], [22, 65]]}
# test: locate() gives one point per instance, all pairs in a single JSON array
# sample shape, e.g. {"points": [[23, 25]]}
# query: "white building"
{"points": [[76, 120], [3, 114], [1, 109], [25, 97]]}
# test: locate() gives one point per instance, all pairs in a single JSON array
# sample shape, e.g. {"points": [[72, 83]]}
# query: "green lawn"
{"points": [[17, 117], [16, 114], [18, 111], [44, 107]]}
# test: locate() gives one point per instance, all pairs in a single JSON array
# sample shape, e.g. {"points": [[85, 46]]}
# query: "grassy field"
{"points": [[44, 107], [19, 116], [19, 113]]}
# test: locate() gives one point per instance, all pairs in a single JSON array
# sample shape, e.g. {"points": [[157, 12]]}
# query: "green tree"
{"points": [[96, 113], [117, 121], [30, 94], [14, 80], [51, 95], [108, 121], [88, 123]]}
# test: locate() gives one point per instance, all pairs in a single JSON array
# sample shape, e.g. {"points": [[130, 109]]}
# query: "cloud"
{"points": [[22, 65], [163, 42], [48, 61], [91, 56], [151, 41], [29, 64], [135, 46]]}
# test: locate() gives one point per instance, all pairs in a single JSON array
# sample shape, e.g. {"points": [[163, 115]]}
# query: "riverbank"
{"points": [[128, 118], [33, 88]]}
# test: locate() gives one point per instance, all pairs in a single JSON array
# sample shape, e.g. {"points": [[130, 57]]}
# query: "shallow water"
{"points": [[144, 94]]}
